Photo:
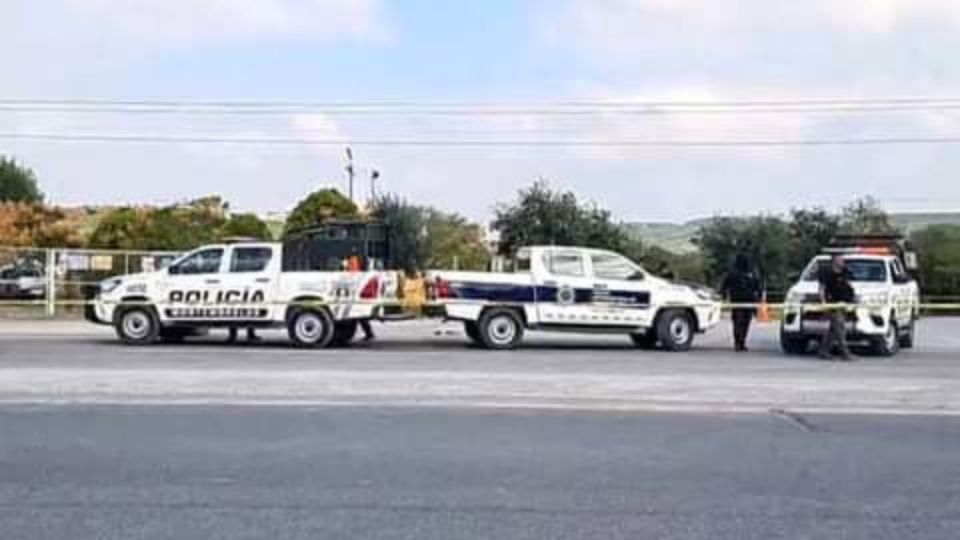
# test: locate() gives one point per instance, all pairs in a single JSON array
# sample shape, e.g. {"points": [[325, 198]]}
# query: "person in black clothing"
{"points": [[741, 286], [835, 288]]}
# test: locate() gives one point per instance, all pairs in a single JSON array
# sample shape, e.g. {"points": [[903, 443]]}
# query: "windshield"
{"points": [[862, 270]]}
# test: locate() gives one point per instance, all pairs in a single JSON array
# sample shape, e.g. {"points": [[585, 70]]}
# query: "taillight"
{"points": [[441, 289], [371, 289]]}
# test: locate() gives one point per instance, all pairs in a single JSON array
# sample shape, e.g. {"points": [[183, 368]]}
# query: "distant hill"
{"points": [[676, 237]]}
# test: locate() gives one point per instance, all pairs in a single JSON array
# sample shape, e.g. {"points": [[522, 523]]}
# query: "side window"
{"points": [[201, 262], [609, 266], [566, 264], [250, 259]]}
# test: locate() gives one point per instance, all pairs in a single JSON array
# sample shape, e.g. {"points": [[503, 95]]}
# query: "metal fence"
{"points": [[50, 282]]}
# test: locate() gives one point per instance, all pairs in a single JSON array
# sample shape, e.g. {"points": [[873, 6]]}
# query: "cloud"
{"points": [[783, 40], [173, 22]]}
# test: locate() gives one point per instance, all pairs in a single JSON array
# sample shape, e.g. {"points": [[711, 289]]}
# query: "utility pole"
{"points": [[350, 173], [374, 176]]}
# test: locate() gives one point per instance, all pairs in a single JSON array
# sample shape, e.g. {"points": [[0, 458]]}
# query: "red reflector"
{"points": [[442, 289], [371, 289]]}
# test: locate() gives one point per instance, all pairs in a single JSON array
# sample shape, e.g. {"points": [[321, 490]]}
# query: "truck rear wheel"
{"points": [[675, 330], [137, 325], [309, 328], [500, 328]]}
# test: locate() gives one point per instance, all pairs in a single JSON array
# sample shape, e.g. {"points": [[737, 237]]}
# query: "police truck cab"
{"points": [[243, 284]]}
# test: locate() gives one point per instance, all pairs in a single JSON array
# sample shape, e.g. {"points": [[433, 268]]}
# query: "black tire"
{"points": [[343, 333], [310, 328], [137, 325], [794, 345], [889, 344], [644, 340], [472, 330], [675, 330], [907, 338], [500, 329]]}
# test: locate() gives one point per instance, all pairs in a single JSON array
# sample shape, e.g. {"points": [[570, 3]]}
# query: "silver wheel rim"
{"points": [[136, 325], [309, 328], [503, 329], [679, 330]]}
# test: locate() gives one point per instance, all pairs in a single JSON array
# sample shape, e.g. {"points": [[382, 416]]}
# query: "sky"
{"points": [[528, 54]]}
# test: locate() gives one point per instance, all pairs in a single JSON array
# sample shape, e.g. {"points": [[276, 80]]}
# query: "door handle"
{"points": [[599, 285], [550, 282], [211, 281], [262, 280]]}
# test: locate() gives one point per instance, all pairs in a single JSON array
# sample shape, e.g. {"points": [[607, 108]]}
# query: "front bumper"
{"points": [[861, 322], [95, 310]]}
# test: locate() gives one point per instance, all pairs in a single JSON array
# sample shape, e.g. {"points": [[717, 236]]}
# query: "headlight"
{"points": [[704, 294], [877, 299], [109, 285]]}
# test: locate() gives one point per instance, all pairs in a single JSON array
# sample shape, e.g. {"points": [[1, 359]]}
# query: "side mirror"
{"points": [[173, 270], [910, 261], [636, 276]]}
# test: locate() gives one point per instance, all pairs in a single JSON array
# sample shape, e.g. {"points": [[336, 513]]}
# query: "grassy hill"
{"points": [[676, 236]]}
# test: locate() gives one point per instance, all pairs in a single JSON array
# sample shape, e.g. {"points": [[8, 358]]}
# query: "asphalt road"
{"points": [[292, 472], [419, 436], [410, 365]]}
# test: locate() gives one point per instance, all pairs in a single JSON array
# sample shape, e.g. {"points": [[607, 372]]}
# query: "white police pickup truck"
{"points": [[240, 285], [572, 289], [887, 307]]}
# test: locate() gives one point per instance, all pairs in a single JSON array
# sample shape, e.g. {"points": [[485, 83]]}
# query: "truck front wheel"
{"points": [[500, 328], [675, 330], [310, 328], [889, 343], [137, 325], [908, 337]]}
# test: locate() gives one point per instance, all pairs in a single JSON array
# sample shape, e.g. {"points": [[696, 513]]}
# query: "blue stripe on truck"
{"points": [[502, 292]]}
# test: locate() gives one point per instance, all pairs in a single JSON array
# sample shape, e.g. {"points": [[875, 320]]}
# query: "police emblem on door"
{"points": [[566, 295]]}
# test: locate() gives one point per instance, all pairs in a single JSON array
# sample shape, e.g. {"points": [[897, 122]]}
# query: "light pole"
{"points": [[350, 173], [374, 176]]}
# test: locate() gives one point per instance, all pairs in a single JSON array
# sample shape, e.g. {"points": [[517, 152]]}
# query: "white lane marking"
{"points": [[692, 408]]}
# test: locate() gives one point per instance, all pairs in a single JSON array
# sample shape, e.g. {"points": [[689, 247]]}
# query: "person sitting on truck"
{"points": [[741, 286], [835, 289]]}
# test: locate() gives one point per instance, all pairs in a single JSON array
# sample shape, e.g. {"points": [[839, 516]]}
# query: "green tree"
{"points": [[938, 254], [451, 240], [810, 230], [424, 237], [765, 239], [541, 215], [318, 207], [246, 225], [407, 231], [864, 216], [18, 183]]}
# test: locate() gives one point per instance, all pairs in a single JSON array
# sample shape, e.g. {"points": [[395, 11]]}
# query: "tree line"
{"points": [[426, 237]]}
